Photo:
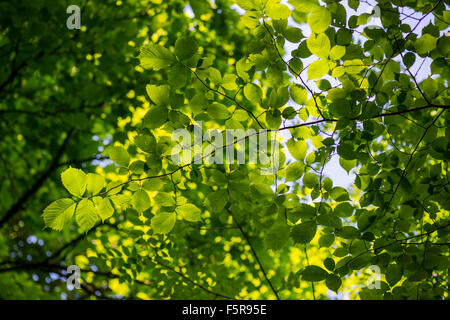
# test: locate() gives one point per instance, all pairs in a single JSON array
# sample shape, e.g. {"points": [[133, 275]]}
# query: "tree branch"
{"points": [[254, 254], [198, 285], [38, 183]]}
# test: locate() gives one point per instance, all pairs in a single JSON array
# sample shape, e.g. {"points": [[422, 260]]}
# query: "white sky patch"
{"points": [[188, 11]]}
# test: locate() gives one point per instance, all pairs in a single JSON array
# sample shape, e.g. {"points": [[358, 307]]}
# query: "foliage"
{"points": [[87, 118]]}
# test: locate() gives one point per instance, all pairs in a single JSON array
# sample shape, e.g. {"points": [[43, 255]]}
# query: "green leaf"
{"points": [[329, 264], [74, 180], [94, 183], [302, 51], [304, 232], [345, 150], [137, 167], [273, 120], [145, 142], [229, 82], [294, 171], [218, 111], [339, 194], [314, 274], [141, 200], [280, 98], [326, 240], [293, 34], [86, 215], [310, 180], [289, 113], [310, 158], [217, 200], [274, 75], [253, 92], [103, 207], [249, 4], [354, 4], [163, 222], [277, 236], [296, 65], [242, 67], [262, 191], [189, 212], [393, 274], [297, 149], [327, 184], [343, 37], [319, 19], [348, 232], [340, 108], [430, 87], [156, 57], [121, 200], [298, 94], [158, 94], [185, 47], [164, 199], [57, 214], [408, 59], [333, 282], [215, 76], [425, 43], [119, 155], [155, 117], [178, 75], [336, 94], [343, 210], [114, 187], [347, 164]]}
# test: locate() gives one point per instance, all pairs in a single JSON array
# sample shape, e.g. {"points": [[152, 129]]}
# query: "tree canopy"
{"points": [[88, 177]]}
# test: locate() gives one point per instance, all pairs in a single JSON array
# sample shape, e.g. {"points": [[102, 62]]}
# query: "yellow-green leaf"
{"points": [[318, 69], [319, 19], [278, 11], [218, 111], [156, 57], [425, 43], [163, 222], [141, 200], [95, 183], [337, 52], [354, 66], [347, 164], [310, 180], [294, 171], [189, 212], [74, 180], [119, 155], [158, 94], [298, 94], [58, 213], [86, 215], [319, 45], [253, 92], [297, 149], [103, 207]]}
